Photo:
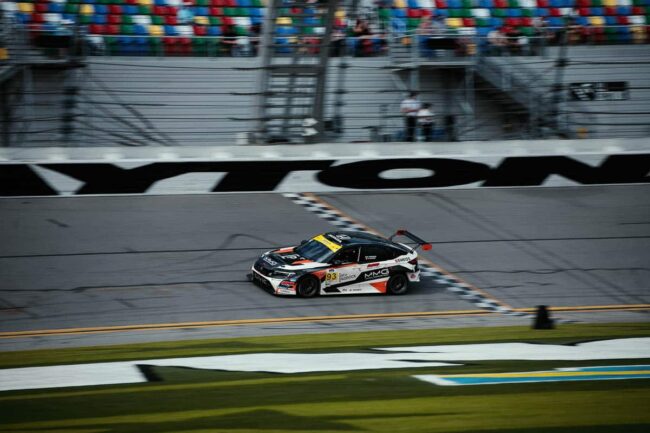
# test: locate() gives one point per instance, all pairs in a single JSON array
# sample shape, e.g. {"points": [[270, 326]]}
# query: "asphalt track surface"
{"points": [[88, 262]]}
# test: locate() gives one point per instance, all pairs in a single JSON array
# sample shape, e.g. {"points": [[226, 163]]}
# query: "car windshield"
{"points": [[314, 250]]}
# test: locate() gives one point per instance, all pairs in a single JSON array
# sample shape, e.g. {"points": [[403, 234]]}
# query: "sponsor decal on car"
{"points": [[379, 273], [332, 276], [285, 291], [269, 261], [347, 276]]}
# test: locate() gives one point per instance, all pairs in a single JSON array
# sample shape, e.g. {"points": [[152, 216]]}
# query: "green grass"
{"points": [[189, 400]]}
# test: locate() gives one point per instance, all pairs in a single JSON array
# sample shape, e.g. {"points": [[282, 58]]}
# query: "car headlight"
{"points": [[281, 274]]}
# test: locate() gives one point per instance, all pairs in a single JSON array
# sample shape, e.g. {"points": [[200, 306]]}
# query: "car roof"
{"points": [[351, 238]]}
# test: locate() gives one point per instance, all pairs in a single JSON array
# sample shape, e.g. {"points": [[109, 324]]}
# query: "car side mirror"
{"points": [[303, 242], [337, 262]]}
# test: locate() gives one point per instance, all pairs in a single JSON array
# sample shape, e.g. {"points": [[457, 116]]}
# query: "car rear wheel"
{"points": [[307, 287], [397, 284]]}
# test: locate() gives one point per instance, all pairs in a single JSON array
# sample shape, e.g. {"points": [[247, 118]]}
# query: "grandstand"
{"points": [[606, 20], [140, 72]]}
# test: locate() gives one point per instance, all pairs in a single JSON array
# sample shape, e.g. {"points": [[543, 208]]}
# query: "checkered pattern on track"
{"points": [[452, 284]]}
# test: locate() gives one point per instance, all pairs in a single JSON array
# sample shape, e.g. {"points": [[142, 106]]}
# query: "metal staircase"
{"points": [[522, 91], [294, 70]]}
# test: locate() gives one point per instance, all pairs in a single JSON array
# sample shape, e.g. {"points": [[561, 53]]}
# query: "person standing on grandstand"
{"points": [[497, 42], [362, 38], [409, 108], [337, 44], [439, 26], [229, 41], [425, 120], [255, 32]]}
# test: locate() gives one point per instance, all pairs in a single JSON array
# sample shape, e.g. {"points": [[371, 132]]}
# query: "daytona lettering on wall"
{"points": [[321, 175]]}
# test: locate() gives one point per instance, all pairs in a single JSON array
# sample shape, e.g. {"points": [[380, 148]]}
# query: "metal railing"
{"points": [[466, 44], [403, 47]]}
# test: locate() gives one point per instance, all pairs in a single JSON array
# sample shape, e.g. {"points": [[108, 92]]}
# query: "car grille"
{"points": [[263, 283]]}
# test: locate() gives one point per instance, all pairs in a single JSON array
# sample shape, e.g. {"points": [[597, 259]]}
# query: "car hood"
{"points": [[286, 258]]}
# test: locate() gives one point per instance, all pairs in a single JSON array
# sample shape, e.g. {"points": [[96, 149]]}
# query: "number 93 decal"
{"points": [[332, 276]]}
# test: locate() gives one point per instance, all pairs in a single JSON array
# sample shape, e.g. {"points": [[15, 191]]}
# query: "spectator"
{"points": [[542, 36], [442, 39], [95, 45], [243, 47], [360, 28], [362, 35], [255, 31], [337, 46], [424, 32], [497, 42], [425, 120], [380, 41], [574, 31], [424, 28], [229, 40], [409, 108], [439, 25], [517, 41]]}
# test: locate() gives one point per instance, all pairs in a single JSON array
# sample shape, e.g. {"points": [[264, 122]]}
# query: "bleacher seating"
{"points": [[152, 26], [606, 21], [141, 26]]}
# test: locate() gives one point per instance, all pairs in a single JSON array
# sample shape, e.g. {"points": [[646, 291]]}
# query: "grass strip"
{"points": [[381, 401], [319, 342]]}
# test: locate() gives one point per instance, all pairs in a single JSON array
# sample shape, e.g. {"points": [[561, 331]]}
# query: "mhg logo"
{"points": [[370, 275]]}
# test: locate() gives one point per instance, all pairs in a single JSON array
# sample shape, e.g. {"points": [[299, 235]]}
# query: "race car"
{"points": [[341, 262]]}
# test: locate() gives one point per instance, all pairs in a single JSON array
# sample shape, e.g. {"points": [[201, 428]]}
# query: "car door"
{"points": [[374, 272], [343, 271]]}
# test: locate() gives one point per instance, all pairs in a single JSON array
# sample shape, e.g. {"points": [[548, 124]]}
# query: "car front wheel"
{"points": [[398, 284], [307, 287]]}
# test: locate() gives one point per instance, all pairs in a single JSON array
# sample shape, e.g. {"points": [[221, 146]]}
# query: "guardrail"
{"points": [[468, 43], [403, 47]]}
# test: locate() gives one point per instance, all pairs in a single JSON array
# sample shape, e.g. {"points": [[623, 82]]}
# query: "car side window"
{"points": [[394, 253], [375, 253], [348, 255]]}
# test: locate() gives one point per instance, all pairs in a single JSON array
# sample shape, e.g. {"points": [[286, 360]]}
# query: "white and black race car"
{"points": [[343, 262]]}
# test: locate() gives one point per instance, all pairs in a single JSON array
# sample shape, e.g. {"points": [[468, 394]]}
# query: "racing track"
{"points": [[113, 261]]}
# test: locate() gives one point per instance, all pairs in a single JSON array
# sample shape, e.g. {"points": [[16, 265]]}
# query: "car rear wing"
{"points": [[420, 242]]}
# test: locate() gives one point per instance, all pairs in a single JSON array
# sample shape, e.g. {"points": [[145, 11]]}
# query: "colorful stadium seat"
{"points": [[135, 19]]}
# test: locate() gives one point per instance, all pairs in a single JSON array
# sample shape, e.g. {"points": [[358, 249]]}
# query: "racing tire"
{"points": [[308, 287], [398, 284]]}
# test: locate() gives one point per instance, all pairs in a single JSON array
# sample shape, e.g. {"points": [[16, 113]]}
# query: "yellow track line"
{"points": [[185, 325], [420, 258], [163, 326]]}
